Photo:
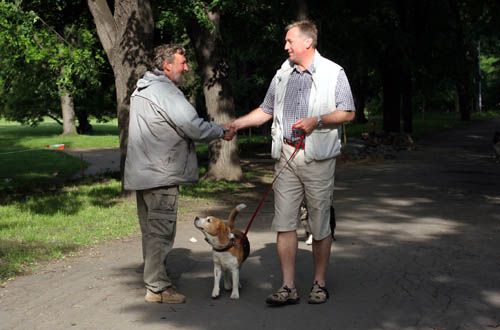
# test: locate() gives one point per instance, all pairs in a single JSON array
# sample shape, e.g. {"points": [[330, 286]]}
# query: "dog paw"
{"points": [[215, 293], [235, 295]]}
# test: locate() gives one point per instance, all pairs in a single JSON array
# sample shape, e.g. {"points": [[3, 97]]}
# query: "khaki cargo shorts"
{"points": [[313, 180]]}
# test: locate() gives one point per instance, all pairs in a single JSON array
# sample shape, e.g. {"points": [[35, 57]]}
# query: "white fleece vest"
{"points": [[322, 143]]}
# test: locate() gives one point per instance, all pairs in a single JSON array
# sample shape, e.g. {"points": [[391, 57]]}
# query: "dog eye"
{"points": [[209, 220]]}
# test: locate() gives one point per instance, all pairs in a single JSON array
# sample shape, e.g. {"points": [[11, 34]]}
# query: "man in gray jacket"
{"points": [[161, 155]]}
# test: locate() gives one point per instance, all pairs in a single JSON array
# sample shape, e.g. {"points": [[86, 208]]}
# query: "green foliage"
{"points": [[50, 45], [174, 12], [412, 37], [39, 63], [252, 35], [29, 99], [490, 65], [490, 68]]}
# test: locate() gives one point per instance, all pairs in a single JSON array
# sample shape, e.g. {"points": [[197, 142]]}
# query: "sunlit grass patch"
{"points": [[50, 225]]}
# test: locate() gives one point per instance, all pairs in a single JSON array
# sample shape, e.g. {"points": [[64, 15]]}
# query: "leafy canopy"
{"points": [[38, 63]]}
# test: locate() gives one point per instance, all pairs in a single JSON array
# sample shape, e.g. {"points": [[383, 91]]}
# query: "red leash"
{"points": [[298, 145]]}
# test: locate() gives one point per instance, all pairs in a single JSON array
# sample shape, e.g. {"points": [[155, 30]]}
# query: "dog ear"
{"points": [[223, 232]]}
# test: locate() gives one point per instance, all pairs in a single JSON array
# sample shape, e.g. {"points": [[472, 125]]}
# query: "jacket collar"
{"points": [[289, 65]]}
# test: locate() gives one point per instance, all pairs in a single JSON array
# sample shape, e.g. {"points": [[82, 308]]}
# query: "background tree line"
{"points": [[70, 60]]}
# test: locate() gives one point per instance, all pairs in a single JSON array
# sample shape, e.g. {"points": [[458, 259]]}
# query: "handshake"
{"points": [[230, 131]]}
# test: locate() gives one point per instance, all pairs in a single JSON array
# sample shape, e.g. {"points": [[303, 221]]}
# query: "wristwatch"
{"points": [[320, 122]]}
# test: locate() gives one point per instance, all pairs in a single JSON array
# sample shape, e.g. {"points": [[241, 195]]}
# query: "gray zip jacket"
{"points": [[162, 127]]}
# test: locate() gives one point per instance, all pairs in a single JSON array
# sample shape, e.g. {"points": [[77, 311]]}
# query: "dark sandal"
{"points": [[284, 296], [319, 294]]}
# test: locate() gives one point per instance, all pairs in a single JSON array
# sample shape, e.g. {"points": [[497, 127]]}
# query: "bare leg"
{"points": [[287, 245], [321, 255]]}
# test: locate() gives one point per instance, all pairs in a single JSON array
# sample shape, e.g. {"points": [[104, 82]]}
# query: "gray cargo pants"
{"points": [[157, 211]]}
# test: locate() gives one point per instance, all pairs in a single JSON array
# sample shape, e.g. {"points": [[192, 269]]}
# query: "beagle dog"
{"points": [[230, 249]]}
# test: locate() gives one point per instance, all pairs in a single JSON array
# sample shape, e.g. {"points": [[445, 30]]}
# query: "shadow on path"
{"points": [[417, 248]]}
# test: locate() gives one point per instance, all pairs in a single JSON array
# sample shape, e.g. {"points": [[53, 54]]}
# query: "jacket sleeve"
{"points": [[186, 120]]}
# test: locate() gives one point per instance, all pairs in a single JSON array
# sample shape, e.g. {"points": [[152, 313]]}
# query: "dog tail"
{"points": [[234, 213]]}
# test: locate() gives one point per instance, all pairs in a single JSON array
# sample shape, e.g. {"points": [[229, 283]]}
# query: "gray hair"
{"points": [[164, 53], [307, 28]]}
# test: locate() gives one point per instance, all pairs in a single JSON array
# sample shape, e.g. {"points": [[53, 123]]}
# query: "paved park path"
{"points": [[418, 247]]}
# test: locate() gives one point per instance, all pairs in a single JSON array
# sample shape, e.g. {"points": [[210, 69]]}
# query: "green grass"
{"points": [[426, 124], [27, 162], [423, 124], [37, 168], [208, 189], [51, 225], [14, 136]]}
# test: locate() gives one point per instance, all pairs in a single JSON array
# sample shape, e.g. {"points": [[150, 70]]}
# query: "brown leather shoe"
{"points": [[169, 296]]}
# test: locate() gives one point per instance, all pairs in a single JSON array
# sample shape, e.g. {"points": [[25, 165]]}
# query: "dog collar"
{"points": [[226, 247]]}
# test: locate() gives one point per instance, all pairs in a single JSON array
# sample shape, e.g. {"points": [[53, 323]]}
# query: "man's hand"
{"points": [[306, 124], [229, 131], [330, 120]]}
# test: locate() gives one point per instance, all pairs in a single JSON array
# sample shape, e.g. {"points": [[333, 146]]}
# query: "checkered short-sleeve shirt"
{"points": [[297, 98]]}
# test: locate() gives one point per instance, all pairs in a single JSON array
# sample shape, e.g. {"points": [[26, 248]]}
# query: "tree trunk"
{"points": [[406, 102], [84, 125], [68, 113], [360, 103], [478, 88], [465, 80], [302, 9], [465, 64], [224, 162], [359, 94], [391, 99], [464, 99], [126, 36]]}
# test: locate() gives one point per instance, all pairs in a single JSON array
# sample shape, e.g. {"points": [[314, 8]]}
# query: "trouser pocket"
{"points": [[162, 210]]}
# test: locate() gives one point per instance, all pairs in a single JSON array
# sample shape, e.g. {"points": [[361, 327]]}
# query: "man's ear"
{"points": [[308, 42], [166, 66]]}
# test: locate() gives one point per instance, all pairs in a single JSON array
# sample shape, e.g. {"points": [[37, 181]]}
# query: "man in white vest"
{"points": [[309, 95]]}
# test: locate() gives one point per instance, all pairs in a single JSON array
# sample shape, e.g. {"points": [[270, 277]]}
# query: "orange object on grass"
{"points": [[56, 146]]}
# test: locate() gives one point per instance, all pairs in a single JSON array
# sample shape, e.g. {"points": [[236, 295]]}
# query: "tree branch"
{"points": [[55, 119], [105, 24]]}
